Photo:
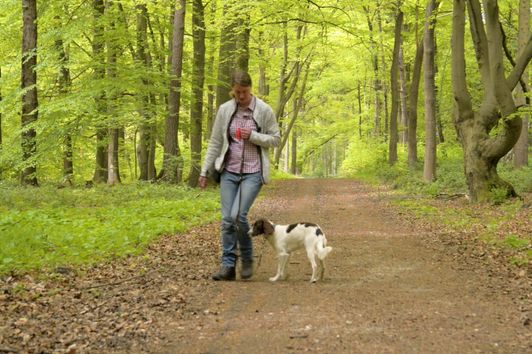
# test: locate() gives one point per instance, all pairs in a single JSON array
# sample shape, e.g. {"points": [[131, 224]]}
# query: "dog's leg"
{"points": [[280, 267], [312, 259], [283, 267]]}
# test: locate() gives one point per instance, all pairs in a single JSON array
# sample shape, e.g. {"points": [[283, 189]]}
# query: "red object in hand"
{"points": [[238, 134]]}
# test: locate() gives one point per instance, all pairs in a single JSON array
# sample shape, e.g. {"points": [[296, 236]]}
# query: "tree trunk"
{"points": [[412, 107], [404, 98], [298, 103], [482, 150], [29, 87], [263, 83], [211, 87], [429, 165], [244, 30], [100, 170], [293, 164], [113, 172], [146, 147], [383, 81], [521, 147], [172, 160], [198, 78], [359, 99], [226, 56], [64, 87], [376, 81], [394, 135]]}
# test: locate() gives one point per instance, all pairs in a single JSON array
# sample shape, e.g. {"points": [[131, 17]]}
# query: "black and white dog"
{"points": [[285, 239]]}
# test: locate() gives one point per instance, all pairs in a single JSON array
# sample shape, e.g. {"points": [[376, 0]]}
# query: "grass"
{"points": [[502, 224], [47, 227]]}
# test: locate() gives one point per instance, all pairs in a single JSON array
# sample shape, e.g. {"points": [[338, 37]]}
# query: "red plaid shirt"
{"points": [[243, 156]]}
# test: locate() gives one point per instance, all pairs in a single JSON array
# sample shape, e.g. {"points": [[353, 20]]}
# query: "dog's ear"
{"points": [[256, 228], [267, 227]]}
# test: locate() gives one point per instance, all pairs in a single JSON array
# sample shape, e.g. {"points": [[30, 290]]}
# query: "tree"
{"points": [[394, 83], [98, 46], [483, 144], [172, 163], [226, 54], [412, 106], [521, 147], [29, 86], [198, 78], [429, 44], [64, 87], [146, 148], [113, 168]]}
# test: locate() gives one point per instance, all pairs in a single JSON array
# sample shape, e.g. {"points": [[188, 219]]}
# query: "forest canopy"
{"points": [[109, 91]]}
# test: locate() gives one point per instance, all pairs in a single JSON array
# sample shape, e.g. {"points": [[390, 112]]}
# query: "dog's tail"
{"points": [[322, 248]]}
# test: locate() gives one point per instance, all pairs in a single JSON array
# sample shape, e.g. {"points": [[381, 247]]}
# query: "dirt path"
{"points": [[391, 286], [384, 292]]}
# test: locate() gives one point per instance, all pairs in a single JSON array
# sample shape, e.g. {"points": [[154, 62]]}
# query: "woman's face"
{"points": [[242, 94]]}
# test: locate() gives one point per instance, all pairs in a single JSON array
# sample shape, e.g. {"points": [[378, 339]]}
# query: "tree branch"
{"points": [[461, 94], [520, 65], [512, 61]]}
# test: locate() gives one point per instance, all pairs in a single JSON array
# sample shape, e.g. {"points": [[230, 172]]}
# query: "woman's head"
{"points": [[241, 87]]}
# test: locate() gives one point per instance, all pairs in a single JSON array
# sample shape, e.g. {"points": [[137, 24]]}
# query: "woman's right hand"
{"points": [[202, 182]]}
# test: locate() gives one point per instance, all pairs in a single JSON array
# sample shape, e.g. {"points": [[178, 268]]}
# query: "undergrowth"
{"points": [[503, 224], [46, 227]]}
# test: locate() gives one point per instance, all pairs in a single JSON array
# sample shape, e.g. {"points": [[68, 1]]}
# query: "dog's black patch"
{"points": [[291, 227], [318, 232], [309, 224]]}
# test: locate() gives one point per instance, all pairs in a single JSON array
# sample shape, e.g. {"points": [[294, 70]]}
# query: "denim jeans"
{"points": [[238, 192]]}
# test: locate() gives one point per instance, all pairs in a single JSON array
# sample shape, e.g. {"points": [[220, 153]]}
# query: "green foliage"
{"points": [[48, 227]]}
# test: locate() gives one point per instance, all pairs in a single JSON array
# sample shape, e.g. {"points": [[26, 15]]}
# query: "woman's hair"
{"points": [[241, 78]]}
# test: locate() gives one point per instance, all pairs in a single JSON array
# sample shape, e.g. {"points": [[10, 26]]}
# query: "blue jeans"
{"points": [[238, 192]]}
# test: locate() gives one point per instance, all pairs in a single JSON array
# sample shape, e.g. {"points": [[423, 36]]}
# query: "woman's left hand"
{"points": [[245, 133]]}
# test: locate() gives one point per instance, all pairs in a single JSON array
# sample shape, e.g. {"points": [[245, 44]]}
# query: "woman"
{"points": [[244, 129]]}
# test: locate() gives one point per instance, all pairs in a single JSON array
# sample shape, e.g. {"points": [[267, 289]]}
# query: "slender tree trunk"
{"points": [[29, 86], [385, 88], [293, 163], [429, 166], [482, 150], [359, 110], [100, 170], [172, 163], [244, 30], [146, 147], [376, 81], [263, 83], [412, 107], [64, 87], [404, 98], [521, 147], [394, 134], [226, 56], [198, 79], [113, 172], [211, 87], [298, 103]]}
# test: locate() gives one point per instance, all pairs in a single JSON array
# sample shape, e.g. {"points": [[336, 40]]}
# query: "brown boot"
{"points": [[247, 270], [225, 273]]}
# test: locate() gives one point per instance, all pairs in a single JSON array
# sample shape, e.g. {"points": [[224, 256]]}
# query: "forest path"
{"points": [[386, 290]]}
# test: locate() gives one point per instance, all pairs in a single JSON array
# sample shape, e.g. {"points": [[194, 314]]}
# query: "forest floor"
{"points": [[394, 283]]}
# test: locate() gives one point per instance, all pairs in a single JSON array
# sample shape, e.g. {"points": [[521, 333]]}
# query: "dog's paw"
{"points": [[274, 278]]}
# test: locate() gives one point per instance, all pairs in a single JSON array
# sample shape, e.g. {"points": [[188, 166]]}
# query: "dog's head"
{"points": [[260, 227]]}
